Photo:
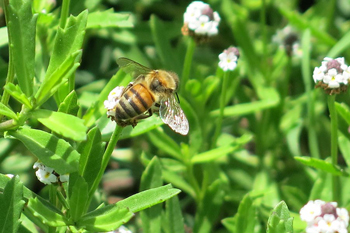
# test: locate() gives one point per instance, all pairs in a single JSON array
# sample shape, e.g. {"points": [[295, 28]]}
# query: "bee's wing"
{"points": [[132, 67], [171, 114]]}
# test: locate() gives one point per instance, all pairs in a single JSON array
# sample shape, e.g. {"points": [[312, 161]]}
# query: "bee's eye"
{"points": [[155, 85]]}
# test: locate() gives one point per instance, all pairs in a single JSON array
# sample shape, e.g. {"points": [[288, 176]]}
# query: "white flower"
{"points": [[113, 99], [322, 217], [333, 75], [47, 175], [228, 59], [44, 173], [10, 175], [201, 20], [310, 211]]}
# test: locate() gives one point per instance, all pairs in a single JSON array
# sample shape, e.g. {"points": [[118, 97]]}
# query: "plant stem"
{"points": [[64, 13], [187, 64], [53, 201], [222, 107], [10, 72], [105, 158], [334, 145]]}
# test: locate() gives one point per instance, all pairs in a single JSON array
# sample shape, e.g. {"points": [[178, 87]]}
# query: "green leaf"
{"points": [[91, 152], [301, 22], [46, 212], [344, 146], [152, 178], [163, 45], [6, 111], [148, 198], [21, 25], [230, 224], [340, 46], [269, 98], [59, 76], [50, 150], [4, 180], [3, 36], [343, 111], [78, 196], [175, 223], [107, 218], [245, 219], [64, 124], [280, 220], [12, 204], [70, 104], [213, 154], [68, 41], [209, 208], [107, 19], [178, 181], [162, 140], [321, 165], [16, 92]]}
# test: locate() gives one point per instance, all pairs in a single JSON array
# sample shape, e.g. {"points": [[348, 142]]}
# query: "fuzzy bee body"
{"points": [[151, 89]]}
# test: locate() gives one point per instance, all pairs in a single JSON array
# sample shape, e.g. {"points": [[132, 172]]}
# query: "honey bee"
{"points": [[151, 91]]}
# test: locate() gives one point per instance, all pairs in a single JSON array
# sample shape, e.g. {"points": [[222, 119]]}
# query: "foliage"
{"points": [[261, 142]]}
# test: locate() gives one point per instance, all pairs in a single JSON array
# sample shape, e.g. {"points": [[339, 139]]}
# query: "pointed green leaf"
{"points": [[152, 178], [5, 179], [148, 198], [91, 152], [343, 111], [322, 165], [209, 208], [16, 92], [21, 25], [50, 150], [68, 41], [280, 220], [12, 204], [107, 218], [107, 19], [78, 196], [175, 222], [162, 140], [68, 126], [70, 104], [46, 212], [213, 154], [245, 219], [57, 77], [6, 111]]}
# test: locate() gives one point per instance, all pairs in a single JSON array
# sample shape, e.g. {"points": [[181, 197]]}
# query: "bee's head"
{"points": [[164, 82]]}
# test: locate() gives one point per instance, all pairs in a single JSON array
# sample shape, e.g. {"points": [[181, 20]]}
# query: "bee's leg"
{"points": [[134, 120]]}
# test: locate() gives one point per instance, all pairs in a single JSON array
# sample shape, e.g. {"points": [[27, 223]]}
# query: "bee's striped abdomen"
{"points": [[134, 102]]}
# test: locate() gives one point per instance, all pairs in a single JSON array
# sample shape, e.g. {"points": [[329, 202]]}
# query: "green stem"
{"points": [[334, 145], [222, 108], [105, 159], [53, 201], [64, 13], [187, 64], [10, 72]]}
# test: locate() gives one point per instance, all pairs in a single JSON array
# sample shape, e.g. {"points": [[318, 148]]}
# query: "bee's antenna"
{"points": [[177, 97]]}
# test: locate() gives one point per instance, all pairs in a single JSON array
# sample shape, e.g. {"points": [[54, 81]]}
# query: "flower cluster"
{"points": [[229, 58], [324, 217], [200, 21], [288, 39], [47, 175], [333, 75], [113, 99]]}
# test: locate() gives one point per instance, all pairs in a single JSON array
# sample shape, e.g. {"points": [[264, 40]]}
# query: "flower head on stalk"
{"points": [[228, 58], [112, 101], [200, 21], [47, 175], [333, 75], [324, 217], [288, 39]]}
